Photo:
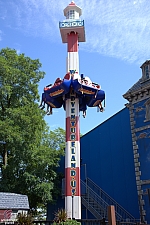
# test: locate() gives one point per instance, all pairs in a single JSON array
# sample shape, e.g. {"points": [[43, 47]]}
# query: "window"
{"points": [[146, 72], [67, 16], [147, 115], [70, 14]]}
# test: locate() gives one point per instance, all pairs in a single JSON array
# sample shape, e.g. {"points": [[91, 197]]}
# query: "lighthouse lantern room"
{"points": [[73, 23]]}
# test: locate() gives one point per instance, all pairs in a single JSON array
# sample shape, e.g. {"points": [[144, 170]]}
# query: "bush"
{"points": [[60, 216], [68, 222], [24, 219]]}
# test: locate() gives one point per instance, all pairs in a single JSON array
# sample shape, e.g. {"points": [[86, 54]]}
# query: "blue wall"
{"points": [[108, 155], [142, 128]]}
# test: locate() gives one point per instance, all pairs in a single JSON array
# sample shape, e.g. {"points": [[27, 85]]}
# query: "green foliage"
{"points": [[72, 222], [32, 152], [68, 222], [24, 219], [60, 216]]}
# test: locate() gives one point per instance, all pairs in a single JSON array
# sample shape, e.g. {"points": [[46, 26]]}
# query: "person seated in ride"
{"points": [[84, 113], [76, 76], [96, 86], [100, 107], [43, 101], [58, 81], [47, 87], [49, 112], [87, 81], [67, 76]]}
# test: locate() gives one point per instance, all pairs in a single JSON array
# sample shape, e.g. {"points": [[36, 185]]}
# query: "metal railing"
{"points": [[93, 202], [98, 199]]}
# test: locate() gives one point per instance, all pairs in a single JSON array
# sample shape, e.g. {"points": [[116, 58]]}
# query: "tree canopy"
{"points": [[29, 159]]}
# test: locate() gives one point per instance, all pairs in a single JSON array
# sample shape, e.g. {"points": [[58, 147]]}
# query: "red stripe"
{"points": [[68, 129], [73, 42], [72, 3], [68, 179]]}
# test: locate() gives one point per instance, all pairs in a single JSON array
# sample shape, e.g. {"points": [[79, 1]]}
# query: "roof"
{"points": [[72, 3], [138, 86], [135, 87], [13, 201], [147, 62], [72, 6]]}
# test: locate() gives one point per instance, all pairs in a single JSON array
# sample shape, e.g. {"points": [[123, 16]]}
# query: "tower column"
{"points": [[68, 92], [72, 155], [72, 32], [72, 159], [73, 57]]}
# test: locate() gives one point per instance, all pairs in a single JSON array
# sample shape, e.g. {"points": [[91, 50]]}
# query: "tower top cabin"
{"points": [[72, 23], [72, 11]]}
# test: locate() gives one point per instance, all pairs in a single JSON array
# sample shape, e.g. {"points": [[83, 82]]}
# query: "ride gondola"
{"points": [[88, 92]]}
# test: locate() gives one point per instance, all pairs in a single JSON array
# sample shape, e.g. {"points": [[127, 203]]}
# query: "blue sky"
{"points": [[117, 43]]}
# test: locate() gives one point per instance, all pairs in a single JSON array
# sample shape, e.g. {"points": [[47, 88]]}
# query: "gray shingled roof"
{"points": [[141, 84], [13, 201], [138, 85], [145, 63]]}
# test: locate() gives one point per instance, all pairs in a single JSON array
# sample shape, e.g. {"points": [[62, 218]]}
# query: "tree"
{"points": [[29, 159]]}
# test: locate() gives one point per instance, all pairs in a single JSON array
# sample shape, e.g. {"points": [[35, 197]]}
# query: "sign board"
{"points": [[67, 24]]}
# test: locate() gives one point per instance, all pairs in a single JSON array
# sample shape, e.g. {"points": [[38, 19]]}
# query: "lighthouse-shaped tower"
{"points": [[72, 32], [74, 93]]}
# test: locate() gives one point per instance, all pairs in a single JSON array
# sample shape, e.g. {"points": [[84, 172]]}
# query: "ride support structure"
{"points": [[74, 93], [72, 151]]}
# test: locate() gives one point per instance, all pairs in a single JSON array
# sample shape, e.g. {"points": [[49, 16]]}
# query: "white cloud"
{"points": [[117, 28]]}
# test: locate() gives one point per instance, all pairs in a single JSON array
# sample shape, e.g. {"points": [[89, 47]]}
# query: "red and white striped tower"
{"points": [[72, 32]]}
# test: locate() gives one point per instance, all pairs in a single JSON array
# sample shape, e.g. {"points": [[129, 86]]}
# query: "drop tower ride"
{"points": [[72, 32], [74, 93]]}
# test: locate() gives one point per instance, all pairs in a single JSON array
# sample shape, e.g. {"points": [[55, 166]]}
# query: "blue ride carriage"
{"points": [[88, 92]]}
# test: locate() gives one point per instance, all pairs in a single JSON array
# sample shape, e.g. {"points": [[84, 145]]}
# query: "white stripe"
{"points": [[77, 207], [73, 61], [68, 154], [68, 206], [73, 207]]}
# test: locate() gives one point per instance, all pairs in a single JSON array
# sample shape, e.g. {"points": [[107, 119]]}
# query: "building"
{"points": [[139, 109], [115, 159], [11, 204], [117, 152]]}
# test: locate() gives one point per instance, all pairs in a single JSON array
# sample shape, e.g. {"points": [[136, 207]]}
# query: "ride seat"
{"points": [[67, 76], [58, 81]]}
